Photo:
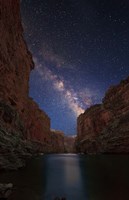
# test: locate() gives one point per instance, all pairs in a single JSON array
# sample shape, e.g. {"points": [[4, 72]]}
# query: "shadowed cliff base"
{"points": [[104, 128]]}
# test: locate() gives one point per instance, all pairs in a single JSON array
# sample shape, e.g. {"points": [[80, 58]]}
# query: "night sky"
{"points": [[80, 48]]}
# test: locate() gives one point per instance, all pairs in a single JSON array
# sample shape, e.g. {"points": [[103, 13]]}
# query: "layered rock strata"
{"points": [[22, 123], [105, 127]]}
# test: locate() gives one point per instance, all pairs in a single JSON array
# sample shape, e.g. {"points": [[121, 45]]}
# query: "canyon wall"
{"points": [[105, 127], [21, 120], [15, 66], [69, 143], [57, 141], [62, 143]]}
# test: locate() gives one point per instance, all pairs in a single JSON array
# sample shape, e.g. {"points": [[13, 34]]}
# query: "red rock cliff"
{"points": [[69, 143], [105, 127], [15, 67], [62, 143], [57, 141]]}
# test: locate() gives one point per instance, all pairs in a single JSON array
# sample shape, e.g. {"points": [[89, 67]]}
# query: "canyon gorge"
{"points": [[52, 164], [25, 129]]}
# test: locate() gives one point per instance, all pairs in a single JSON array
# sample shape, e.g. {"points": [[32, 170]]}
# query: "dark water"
{"points": [[75, 177]]}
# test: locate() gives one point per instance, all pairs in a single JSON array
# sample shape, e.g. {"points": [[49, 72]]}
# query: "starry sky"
{"points": [[80, 48]]}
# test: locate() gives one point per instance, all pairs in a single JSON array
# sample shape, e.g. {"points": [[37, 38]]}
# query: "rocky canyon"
{"points": [[104, 128], [24, 127]]}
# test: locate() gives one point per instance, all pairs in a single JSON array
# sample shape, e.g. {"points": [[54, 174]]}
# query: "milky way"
{"points": [[80, 48]]}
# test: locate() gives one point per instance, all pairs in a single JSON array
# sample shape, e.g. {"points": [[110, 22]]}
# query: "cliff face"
{"points": [[61, 143], [15, 60], [92, 122], [15, 66], [69, 143], [19, 114], [37, 123], [57, 141], [105, 127]]}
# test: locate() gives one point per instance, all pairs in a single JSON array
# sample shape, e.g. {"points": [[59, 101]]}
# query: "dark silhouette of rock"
{"points": [[105, 127], [5, 190], [58, 198]]}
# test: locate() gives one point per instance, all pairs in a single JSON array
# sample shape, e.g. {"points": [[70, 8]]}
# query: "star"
{"points": [[80, 48]]}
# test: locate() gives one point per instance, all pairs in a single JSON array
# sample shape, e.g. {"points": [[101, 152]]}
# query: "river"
{"points": [[72, 177]]}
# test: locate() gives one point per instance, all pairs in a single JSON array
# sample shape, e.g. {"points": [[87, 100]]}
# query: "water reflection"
{"points": [[75, 177], [72, 170], [64, 177]]}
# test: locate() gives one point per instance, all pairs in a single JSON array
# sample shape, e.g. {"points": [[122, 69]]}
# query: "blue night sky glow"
{"points": [[80, 48]]}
